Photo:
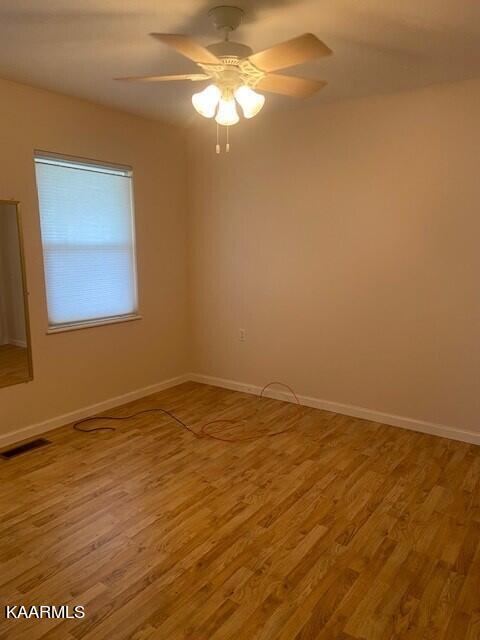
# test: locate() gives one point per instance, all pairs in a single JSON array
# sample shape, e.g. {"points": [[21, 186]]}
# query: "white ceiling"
{"points": [[78, 46]]}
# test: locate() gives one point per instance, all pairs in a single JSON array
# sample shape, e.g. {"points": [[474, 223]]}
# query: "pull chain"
{"points": [[217, 148], [227, 140]]}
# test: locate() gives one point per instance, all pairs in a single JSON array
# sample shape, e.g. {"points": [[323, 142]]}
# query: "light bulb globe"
{"points": [[205, 102], [250, 101], [227, 112]]}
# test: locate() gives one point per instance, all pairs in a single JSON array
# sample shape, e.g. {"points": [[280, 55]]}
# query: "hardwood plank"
{"points": [[339, 529]]}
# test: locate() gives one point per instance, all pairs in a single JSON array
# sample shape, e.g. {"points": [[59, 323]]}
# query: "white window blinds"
{"points": [[86, 216]]}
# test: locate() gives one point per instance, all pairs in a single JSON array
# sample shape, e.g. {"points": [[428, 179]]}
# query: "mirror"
{"points": [[15, 354]]}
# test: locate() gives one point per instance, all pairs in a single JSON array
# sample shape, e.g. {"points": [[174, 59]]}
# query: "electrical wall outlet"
{"points": [[242, 335]]}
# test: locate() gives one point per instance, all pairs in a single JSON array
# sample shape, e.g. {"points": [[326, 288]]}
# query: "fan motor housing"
{"points": [[227, 49]]}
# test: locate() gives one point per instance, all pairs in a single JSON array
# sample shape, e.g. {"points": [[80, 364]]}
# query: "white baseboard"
{"points": [[85, 412], [443, 431], [18, 343], [357, 412]]}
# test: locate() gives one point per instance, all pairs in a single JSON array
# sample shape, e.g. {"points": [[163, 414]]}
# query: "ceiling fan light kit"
{"points": [[235, 72]]}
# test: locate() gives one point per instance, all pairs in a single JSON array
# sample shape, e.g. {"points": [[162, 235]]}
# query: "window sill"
{"points": [[92, 323]]}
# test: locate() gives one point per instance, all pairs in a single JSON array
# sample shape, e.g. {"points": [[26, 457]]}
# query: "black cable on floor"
{"points": [[129, 417], [202, 433]]}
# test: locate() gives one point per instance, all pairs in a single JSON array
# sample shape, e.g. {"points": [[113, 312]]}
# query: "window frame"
{"points": [[39, 155]]}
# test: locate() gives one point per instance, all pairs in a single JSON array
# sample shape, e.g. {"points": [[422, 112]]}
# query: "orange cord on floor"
{"points": [[203, 429], [203, 433]]}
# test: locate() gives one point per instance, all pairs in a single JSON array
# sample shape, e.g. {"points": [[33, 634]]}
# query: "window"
{"points": [[86, 217]]}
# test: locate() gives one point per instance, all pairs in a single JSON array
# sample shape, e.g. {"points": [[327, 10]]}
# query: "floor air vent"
{"points": [[24, 448]]}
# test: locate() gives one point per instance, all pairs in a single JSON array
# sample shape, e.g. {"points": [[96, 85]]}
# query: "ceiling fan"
{"points": [[235, 71]]}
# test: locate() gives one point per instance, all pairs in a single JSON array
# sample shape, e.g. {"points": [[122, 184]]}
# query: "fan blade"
{"points": [[290, 53], [290, 85], [187, 47], [185, 76]]}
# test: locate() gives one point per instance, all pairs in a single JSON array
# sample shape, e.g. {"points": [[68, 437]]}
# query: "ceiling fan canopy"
{"points": [[235, 73]]}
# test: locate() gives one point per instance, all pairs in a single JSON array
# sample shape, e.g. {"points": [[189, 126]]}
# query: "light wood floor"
{"points": [[340, 529], [13, 365]]}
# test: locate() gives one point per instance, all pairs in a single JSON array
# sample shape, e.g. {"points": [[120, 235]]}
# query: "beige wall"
{"points": [[79, 368], [345, 241]]}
